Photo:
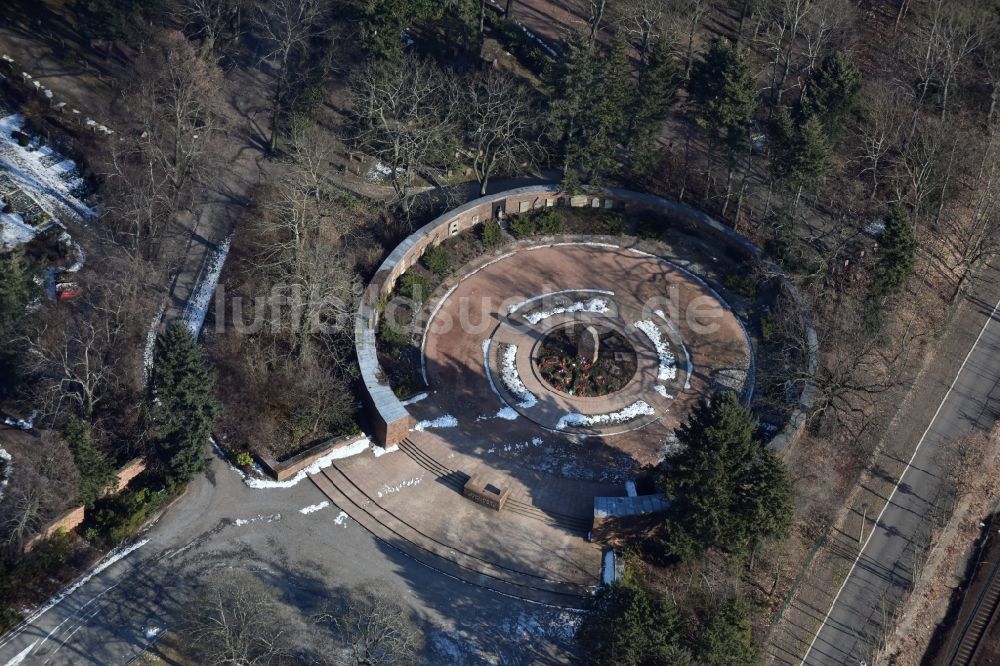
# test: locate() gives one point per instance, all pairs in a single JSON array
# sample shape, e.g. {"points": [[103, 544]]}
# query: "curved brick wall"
{"points": [[389, 416]]}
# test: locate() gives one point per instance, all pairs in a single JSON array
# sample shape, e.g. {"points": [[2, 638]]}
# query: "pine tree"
{"points": [[727, 639], [184, 403], [17, 290], [606, 121], [722, 85], [831, 91], [726, 489], [656, 93], [573, 83], [97, 473], [897, 253], [628, 625], [802, 154]]}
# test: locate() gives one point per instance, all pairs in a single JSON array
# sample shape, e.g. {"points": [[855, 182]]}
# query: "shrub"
{"points": [[437, 260], [611, 224], [522, 226], [649, 228], [244, 459], [392, 335], [492, 233], [550, 222], [414, 286], [741, 284]]}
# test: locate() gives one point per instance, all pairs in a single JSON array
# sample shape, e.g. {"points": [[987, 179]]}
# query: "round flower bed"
{"points": [[561, 368]]}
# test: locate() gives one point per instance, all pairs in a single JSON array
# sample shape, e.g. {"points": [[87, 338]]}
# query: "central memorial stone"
{"points": [[588, 344]]}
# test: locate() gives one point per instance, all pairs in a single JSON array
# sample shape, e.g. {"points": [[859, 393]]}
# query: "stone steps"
{"points": [[445, 558], [456, 480]]}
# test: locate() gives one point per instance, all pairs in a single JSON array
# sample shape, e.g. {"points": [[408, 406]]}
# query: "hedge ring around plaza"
{"points": [[389, 415]]}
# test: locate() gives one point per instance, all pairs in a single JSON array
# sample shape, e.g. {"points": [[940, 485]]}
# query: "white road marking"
{"points": [[900, 480]]}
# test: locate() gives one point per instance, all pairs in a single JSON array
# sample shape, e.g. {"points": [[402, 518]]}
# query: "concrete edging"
{"points": [[390, 418]]}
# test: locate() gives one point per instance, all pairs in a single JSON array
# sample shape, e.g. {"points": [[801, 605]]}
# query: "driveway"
{"points": [[221, 523]]}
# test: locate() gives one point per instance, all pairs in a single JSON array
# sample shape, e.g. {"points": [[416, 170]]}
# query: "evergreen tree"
{"points": [[627, 625], [588, 114], [655, 94], [723, 87], [726, 490], [184, 405], [97, 473], [897, 253], [831, 91], [573, 82], [802, 155], [726, 639], [17, 289]]}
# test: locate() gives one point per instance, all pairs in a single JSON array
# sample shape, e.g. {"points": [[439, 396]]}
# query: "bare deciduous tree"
{"points": [[378, 630], [406, 117], [643, 20], [215, 22], [236, 620], [500, 126], [288, 26]]}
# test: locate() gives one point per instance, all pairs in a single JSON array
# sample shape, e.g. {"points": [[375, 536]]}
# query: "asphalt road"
{"points": [[309, 558], [883, 570]]}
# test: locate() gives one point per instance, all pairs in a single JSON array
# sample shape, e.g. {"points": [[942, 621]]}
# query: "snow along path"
{"points": [[111, 558], [668, 364], [446, 421], [594, 305], [196, 308], [353, 449], [633, 411]]}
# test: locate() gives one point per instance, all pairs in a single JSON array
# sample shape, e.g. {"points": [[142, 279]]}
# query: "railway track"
{"points": [[978, 624]]}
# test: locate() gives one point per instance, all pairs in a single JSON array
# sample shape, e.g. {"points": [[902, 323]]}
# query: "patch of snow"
{"points": [[51, 187], [689, 367], [378, 172], [313, 508], [595, 305], [633, 411], [149, 350], [22, 424], [111, 558], [514, 308], [511, 380], [507, 414], [608, 568], [389, 490], [13, 230], [538, 40], [151, 632], [875, 228], [196, 308], [23, 654], [446, 421], [380, 451], [341, 519], [513, 448], [8, 468], [78, 254], [662, 390], [260, 518], [668, 363], [406, 39], [415, 399], [352, 449]]}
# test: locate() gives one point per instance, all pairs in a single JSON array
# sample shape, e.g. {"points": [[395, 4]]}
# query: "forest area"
{"points": [[854, 141]]}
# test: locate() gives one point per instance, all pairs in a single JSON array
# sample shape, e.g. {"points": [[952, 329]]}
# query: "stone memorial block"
{"points": [[588, 344], [487, 494]]}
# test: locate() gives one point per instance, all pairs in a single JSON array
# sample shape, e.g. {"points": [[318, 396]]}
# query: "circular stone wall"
{"points": [[390, 417]]}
